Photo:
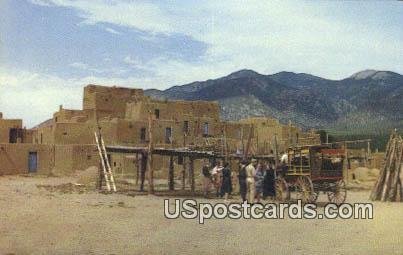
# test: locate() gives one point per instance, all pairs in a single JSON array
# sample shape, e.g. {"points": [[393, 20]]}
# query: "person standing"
{"points": [[269, 182], [206, 179], [216, 174], [250, 180], [284, 163], [242, 180], [226, 183], [259, 177]]}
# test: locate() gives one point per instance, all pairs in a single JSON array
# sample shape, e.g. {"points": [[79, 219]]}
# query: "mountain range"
{"points": [[368, 100]]}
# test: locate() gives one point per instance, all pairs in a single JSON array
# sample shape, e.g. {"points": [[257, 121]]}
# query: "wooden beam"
{"points": [[171, 182]]}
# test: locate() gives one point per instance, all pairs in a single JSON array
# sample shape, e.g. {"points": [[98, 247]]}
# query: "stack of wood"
{"points": [[389, 184]]}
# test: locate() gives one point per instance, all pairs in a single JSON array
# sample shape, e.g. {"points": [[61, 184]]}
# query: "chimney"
{"points": [[60, 107], [1, 115]]}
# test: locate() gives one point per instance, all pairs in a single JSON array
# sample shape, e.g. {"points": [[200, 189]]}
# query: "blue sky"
{"points": [[50, 49]]}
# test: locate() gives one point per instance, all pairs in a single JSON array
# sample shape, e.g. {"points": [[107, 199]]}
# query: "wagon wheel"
{"points": [[282, 191], [304, 188], [338, 193]]}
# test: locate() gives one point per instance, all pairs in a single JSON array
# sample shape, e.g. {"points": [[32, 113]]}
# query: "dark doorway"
{"points": [[14, 134], [32, 162], [157, 113]]}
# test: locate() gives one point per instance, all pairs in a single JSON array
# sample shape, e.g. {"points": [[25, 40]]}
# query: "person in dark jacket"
{"points": [[269, 181], [206, 179], [242, 180], [226, 182], [259, 179]]}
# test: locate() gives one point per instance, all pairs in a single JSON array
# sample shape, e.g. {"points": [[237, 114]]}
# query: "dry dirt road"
{"points": [[38, 221]]}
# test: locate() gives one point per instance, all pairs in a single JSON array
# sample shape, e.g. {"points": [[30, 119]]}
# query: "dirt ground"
{"points": [[37, 219]]}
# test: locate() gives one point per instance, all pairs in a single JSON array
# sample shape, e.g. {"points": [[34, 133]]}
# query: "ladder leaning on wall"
{"points": [[106, 168]]}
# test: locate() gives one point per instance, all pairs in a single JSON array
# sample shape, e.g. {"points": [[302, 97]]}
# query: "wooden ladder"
{"points": [[106, 168]]}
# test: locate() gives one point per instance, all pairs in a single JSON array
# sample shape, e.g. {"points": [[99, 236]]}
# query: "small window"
{"points": [[157, 113], [64, 133], [168, 135], [205, 129], [89, 157], [143, 134], [114, 163], [56, 119], [186, 126]]}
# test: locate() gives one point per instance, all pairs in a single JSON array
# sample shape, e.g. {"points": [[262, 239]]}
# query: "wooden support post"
{"points": [[183, 173], [192, 175], [386, 184], [171, 182], [246, 152], [275, 150], [150, 156], [226, 152], [143, 170], [137, 169], [243, 144], [396, 173]]}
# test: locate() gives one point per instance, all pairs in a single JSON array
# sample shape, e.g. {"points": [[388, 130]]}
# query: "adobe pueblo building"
{"points": [[65, 143]]}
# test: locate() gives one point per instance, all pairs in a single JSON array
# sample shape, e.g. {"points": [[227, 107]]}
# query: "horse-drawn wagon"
{"points": [[309, 170]]}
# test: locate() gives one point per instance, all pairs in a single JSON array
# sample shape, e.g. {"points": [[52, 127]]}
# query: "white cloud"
{"points": [[34, 97], [112, 31], [266, 36], [42, 2], [79, 65]]}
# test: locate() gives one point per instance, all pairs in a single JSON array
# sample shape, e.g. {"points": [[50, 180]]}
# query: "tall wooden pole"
{"points": [[171, 183], [150, 156], [246, 152], [143, 170], [137, 169], [275, 150], [386, 185], [183, 173], [192, 175], [225, 144], [243, 144]]}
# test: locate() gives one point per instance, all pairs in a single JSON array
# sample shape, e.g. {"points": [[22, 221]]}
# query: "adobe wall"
{"points": [[43, 135], [64, 115], [77, 132], [172, 110], [14, 158], [72, 158], [287, 135], [109, 101], [5, 126]]}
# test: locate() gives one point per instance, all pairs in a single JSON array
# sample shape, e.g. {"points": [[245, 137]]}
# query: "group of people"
{"points": [[256, 180]]}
